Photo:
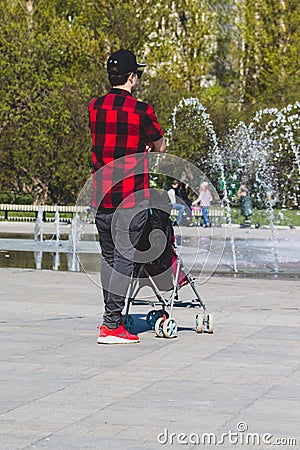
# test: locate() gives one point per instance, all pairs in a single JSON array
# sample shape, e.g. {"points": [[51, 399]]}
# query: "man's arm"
{"points": [[153, 131], [159, 146]]}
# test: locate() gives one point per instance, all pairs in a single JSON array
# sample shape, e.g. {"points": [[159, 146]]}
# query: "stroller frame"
{"points": [[162, 322]]}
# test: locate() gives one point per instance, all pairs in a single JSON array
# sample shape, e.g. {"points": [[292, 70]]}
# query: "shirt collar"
{"points": [[122, 92]]}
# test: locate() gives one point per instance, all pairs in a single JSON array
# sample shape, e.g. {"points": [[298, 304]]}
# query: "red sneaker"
{"points": [[118, 336]]}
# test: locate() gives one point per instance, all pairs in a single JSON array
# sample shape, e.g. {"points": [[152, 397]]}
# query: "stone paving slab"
{"points": [[60, 390]]}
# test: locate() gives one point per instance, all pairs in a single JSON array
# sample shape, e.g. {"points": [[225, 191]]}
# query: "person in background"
{"points": [[204, 200], [173, 193], [245, 204], [183, 194]]}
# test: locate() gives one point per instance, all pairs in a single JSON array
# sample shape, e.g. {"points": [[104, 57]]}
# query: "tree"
{"points": [[268, 45], [44, 133], [235, 56], [180, 41]]}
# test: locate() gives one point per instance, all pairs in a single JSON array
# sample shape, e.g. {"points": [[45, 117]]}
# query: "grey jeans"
{"points": [[119, 233]]}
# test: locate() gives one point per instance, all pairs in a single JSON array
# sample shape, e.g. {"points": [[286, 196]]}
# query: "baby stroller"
{"points": [[165, 273]]}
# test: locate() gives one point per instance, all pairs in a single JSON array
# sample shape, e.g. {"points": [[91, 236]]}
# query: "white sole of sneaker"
{"points": [[114, 340]]}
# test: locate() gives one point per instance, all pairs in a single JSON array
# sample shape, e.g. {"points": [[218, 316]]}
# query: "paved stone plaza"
{"points": [[62, 391]]}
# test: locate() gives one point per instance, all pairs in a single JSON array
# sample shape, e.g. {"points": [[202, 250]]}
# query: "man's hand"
{"points": [[149, 147], [159, 146]]}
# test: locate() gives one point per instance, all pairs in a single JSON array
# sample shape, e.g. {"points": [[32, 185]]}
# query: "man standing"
{"points": [[123, 130]]}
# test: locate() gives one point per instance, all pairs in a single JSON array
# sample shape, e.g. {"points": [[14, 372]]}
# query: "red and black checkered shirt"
{"points": [[120, 127]]}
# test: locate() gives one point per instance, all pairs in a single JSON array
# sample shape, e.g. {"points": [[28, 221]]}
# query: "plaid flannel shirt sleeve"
{"points": [[152, 128]]}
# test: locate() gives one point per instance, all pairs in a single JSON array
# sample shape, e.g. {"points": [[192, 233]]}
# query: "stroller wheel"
{"points": [[159, 327], [128, 323], [170, 328], [199, 323], [153, 315], [210, 323], [151, 318]]}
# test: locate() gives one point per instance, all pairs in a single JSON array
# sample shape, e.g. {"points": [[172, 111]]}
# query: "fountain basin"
{"points": [[202, 250]]}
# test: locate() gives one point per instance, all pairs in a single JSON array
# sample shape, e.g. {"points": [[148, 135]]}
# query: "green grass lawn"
{"points": [[281, 217]]}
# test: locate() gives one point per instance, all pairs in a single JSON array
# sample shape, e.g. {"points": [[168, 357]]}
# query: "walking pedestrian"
{"points": [[204, 200]]}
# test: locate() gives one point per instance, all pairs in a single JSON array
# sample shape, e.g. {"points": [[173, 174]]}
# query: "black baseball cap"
{"points": [[122, 62]]}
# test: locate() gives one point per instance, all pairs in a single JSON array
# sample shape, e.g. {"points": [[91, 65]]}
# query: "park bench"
{"points": [[215, 215]]}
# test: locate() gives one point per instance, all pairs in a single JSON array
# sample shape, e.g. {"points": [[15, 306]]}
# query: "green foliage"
{"points": [[269, 43], [188, 138], [44, 138], [235, 56]]}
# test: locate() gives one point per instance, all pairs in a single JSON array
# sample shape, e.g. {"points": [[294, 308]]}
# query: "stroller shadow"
{"points": [[140, 324], [186, 304], [186, 329]]}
